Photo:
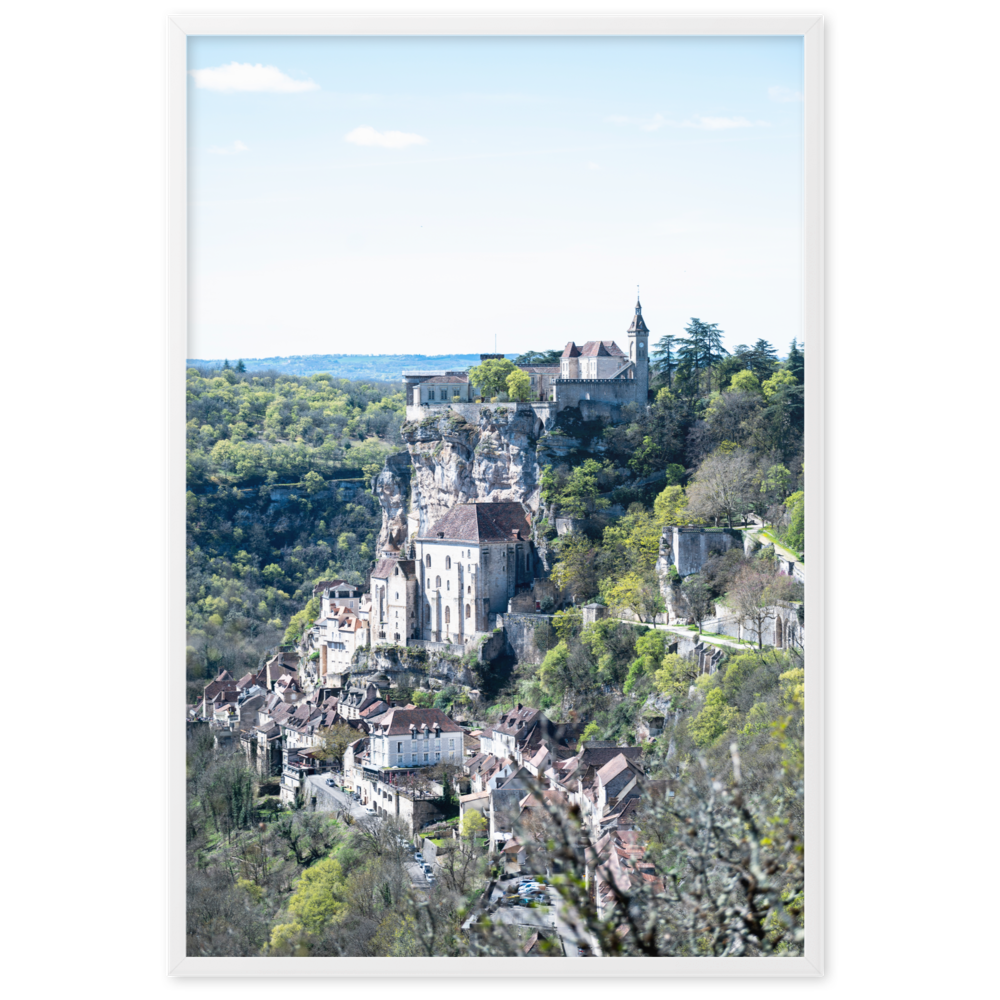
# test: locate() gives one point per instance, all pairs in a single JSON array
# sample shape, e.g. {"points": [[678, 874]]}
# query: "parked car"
{"points": [[418, 857], [331, 782]]}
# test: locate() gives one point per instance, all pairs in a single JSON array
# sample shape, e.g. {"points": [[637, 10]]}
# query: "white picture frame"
{"points": [[177, 29]]}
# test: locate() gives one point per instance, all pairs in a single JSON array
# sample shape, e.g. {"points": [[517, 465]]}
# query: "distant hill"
{"points": [[383, 367]]}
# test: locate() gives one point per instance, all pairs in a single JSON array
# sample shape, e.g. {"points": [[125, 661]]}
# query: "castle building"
{"points": [[598, 372], [604, 361]]}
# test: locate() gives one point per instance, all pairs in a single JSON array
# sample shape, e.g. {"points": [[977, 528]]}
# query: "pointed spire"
{"points": [[638, 323]]}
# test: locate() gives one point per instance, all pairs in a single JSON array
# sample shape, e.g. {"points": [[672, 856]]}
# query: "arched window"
{"points": [[447, 562], [447, 615], [468, 611], [428, 560], [437, 581]]}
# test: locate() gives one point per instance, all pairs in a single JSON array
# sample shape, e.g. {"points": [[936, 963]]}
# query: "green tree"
{"points": [[796, 362], [795, 536], [649, 655], [592, 731], [714, 720], [240, 367], [636, 592], [699, 597], [313, 482], [318, 898], [762, 359], [567, 623], [519, 385], [675, 676], [725, 485], [633, 541], [490, 377], [664, 359], [777, 381], [538, 358], [582, 494], [698, 353], [335, 739], [472, 824], [744, 381], [670, 507]]}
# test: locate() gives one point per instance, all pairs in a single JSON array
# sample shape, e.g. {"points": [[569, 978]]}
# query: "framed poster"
{"points": [[465, 184]]}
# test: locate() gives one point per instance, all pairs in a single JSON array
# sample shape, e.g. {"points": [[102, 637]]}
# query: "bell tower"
{"points": [[638, 352]]}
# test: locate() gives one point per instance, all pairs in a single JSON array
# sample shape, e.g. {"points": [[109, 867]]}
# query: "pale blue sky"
{"points": [[427, 195]]}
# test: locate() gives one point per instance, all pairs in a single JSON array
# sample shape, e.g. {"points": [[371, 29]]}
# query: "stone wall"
{"points": [[496, 645], [472, 411], [784, 630], [519, 630], [690, 548], [596, 394]]}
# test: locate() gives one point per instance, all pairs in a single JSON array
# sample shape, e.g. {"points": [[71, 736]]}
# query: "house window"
{"points": [[468, 611], [397, 595], [437, 581], [428, 560], [425, 758], [447, 562], [430, 393], [437, 756], [486, 557], [399, 748], [447, 585]]}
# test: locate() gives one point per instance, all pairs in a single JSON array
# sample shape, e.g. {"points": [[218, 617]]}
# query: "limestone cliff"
{"points": [[497, 455], [392, 489]]}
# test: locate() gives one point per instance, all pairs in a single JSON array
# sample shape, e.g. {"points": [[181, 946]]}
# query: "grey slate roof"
{"points": [[638, 323], [482, 522]]}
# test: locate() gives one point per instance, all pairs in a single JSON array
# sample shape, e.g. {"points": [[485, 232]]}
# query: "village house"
{"points": [[414, 737]]}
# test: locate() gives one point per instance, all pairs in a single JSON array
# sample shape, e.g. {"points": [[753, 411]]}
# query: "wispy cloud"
{"points": [[365, 135], [698, 121], [236, 147], [237, 77], [784, 95]]}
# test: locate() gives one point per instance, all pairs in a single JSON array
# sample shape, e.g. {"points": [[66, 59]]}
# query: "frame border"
{"points": [[811, 28]]}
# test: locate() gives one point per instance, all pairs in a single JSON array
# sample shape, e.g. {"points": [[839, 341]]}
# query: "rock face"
{"points": [[453, 460], [392, 488], [412, 668]]}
